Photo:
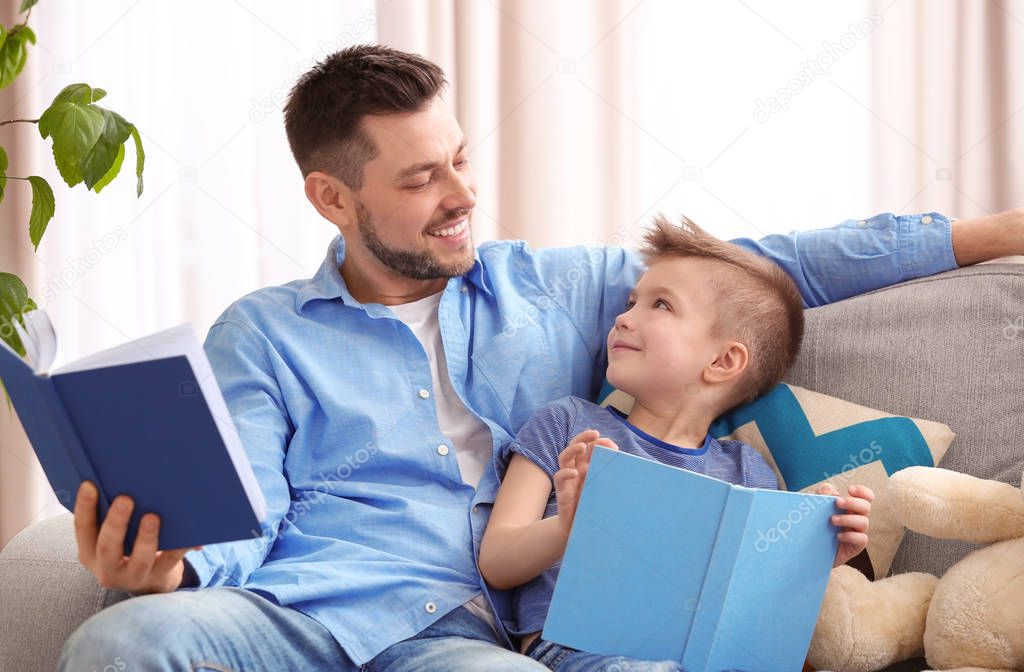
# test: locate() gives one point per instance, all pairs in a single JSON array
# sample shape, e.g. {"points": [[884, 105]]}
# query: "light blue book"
{"points": [[667, 564]]}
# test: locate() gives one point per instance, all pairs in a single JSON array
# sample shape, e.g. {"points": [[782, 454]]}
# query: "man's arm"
{"points": [[989, 237], [246, 377], [856, 256]]}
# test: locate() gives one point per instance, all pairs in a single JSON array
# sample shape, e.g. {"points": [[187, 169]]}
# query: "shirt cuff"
{"points": [[925, 244], [200, 569], [189, 578]]}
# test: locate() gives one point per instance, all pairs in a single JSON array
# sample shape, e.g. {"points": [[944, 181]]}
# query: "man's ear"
{"points": [[731, 362], [332, 198]]}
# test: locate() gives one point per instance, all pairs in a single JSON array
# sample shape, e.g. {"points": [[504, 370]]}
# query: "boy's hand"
{"points": [[573, 464], [857, 504]]}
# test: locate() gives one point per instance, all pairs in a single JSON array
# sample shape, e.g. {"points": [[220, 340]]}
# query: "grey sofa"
{"points": [[949, 347]]}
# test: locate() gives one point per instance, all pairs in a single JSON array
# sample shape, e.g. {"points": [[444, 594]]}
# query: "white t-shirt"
{"points": [[469, 435]]}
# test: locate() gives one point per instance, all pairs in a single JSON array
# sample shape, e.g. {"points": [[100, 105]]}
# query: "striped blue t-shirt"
{"points": [[546, 434]]}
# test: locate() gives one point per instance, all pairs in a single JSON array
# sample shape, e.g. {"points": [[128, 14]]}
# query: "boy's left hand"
{"points": [[857, 504]]}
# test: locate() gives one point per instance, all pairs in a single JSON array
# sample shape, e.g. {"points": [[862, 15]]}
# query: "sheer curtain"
{"points": [[22, 483], [586, 117], [949, 106], [583, 119]]}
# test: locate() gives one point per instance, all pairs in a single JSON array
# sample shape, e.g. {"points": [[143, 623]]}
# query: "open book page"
{"points": [[39, 338], [174, 342]]}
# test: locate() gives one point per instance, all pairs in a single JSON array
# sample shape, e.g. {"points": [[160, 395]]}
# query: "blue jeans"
{"points": [[564, 659], [225, 629]]}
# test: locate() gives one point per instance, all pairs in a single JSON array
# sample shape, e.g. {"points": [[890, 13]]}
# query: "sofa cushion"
{"points": [[946, 348], [46, 593]]}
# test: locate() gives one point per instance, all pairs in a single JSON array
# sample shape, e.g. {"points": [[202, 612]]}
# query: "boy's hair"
{"points": [[325, 109], [758, 303]]}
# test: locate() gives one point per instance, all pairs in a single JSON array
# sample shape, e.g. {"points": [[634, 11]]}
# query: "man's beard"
{"points": [[415, 264]]}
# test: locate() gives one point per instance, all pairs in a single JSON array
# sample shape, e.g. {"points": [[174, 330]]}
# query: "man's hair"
{"points": [[326, 107], [757, 303]]}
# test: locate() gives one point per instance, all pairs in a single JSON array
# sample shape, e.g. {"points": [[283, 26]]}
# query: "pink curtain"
{"points": [[504, 60], [948, 103], [25, 494]]}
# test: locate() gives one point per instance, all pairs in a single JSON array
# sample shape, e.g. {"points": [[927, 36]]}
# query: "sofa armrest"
{"points": [[46, 593]]}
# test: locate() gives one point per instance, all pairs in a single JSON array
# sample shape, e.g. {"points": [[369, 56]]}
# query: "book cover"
{"points": [[667, 564], [146, 420]]}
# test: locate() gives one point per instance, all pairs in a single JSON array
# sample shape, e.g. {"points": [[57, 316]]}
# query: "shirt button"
{"points": [[927, 219], [476, 508], [464, 289], [442, 449], [424, 394], [430, 607]]}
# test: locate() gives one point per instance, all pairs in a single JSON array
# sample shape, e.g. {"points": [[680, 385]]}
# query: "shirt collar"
{"points": [[478, 276], [328, 284], [708, 439]]}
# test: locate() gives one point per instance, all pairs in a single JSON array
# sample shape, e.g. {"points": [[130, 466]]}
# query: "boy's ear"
{"points": [[731, 362], [332, 198]]}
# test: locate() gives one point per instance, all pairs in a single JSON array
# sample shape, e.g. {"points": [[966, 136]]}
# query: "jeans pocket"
{"points": [[549, 654]]}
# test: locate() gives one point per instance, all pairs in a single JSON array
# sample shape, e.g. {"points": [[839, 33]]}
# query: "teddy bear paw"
{"points": [[868, 625]]}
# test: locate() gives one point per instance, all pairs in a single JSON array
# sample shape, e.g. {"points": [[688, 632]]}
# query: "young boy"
{"points": [[708, 327]]}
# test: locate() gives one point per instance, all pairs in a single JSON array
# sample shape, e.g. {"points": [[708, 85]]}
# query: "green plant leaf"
{"points": [[43, 207], [88, 140], [14, 302], [140, 160], [73, 126], [75, 129], [14, 53], [82, 94], [68, 169], [98, 161], [112, 173], [3, 171], [3, 34], [27, 5]]}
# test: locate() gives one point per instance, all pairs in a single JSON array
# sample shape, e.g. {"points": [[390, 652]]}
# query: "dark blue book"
{"points": [[667, 564], [144, 419]]}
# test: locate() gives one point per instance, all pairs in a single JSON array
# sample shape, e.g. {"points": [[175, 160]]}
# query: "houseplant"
{"points": [[88, 146]]}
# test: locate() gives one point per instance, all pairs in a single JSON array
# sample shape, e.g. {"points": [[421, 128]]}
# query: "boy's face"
{"points": [[662, 342]]}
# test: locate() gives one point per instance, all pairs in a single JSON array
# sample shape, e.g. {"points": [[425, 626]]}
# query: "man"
{"points": [[371, 397]]}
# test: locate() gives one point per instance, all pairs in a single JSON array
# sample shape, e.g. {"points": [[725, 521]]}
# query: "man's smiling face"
{"points": [[414, 207]]}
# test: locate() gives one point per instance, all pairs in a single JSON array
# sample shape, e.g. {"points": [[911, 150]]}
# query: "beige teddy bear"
{"points": [[970, 619]]}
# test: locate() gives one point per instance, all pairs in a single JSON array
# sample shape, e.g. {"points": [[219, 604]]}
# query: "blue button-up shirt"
{"points": [[369, 529]]}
